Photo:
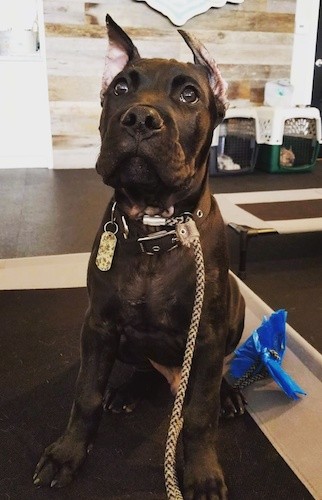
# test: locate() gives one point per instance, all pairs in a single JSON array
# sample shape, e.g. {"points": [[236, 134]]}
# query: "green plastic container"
{"points": [[304, 155]]}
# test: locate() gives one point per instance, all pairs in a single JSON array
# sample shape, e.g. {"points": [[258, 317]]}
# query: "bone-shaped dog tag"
{"points": [[106, 251]]}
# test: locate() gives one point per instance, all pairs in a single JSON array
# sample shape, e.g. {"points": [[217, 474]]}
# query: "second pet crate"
{"points": [[289, 138]]}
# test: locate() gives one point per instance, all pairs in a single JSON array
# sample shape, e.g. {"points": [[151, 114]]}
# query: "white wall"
{"points": [[25, 132]]}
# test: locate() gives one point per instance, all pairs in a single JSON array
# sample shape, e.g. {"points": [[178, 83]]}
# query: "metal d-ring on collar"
{"points": [[111, 225]]}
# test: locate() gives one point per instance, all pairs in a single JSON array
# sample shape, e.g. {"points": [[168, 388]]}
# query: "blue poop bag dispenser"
{"points": [[262, 354]]}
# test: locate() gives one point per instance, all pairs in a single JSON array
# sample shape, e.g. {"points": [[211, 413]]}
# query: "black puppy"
{"points": [[156, 128]]}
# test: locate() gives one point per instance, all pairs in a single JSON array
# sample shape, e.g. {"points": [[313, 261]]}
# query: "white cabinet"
{"points": [[25, 132]]}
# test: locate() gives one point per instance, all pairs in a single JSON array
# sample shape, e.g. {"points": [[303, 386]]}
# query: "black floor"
{"points": [[51, 212]]}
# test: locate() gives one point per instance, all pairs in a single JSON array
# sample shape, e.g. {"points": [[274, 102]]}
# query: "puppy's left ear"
{"points": [[217, 83], [120, 51]]}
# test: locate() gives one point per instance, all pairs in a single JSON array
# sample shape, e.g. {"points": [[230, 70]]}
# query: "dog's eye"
{"points": [[121, 87], [189, 94]]}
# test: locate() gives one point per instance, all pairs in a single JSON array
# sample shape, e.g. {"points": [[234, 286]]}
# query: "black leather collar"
{"points": [[162, 241]]}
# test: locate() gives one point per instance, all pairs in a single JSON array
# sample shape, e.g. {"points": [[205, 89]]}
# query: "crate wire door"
{"points": [[300, 136], [237, 140]]}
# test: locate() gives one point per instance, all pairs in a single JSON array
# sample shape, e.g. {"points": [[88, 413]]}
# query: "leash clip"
{"points": [[187, 232]]}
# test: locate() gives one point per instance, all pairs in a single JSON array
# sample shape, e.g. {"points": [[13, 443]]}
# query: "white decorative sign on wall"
{"points": [[180, 11]]}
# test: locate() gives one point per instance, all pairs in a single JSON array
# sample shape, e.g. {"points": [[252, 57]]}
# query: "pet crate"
{"points": [[289, 139], [234, 146]]}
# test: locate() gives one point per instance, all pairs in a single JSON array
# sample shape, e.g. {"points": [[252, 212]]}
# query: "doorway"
{"points": [[317, 76]]}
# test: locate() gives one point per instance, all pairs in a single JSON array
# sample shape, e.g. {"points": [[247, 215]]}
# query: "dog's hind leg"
{"points": [[126, 396], [232, 400]]}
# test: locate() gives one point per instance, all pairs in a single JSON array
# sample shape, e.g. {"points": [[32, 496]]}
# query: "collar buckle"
{"points": [[159, 242]]}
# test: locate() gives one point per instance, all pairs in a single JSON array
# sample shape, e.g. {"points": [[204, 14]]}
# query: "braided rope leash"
{"points": [[189, 236]]}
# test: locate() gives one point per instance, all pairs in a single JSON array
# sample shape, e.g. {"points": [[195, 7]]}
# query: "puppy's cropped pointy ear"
{"points": [[202, 56], [120, 51]]}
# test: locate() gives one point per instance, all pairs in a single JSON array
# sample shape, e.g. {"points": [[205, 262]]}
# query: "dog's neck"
{"points": [[155, 235], [195, 202]]}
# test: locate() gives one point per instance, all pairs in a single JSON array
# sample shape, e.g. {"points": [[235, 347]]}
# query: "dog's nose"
{"points": [[142, 119]]}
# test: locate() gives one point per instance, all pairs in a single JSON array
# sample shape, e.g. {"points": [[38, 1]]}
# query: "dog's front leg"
{"points": [[203, 477], [62, 459]]}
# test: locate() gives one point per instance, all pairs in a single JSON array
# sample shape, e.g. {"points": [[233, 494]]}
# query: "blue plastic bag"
{"points": [[263, 353]]}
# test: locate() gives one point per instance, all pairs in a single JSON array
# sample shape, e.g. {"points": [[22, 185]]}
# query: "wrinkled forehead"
{"points": [[165, 72]]}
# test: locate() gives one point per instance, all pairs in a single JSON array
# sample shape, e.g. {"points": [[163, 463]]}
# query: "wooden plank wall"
{"points": [[252, 42]]}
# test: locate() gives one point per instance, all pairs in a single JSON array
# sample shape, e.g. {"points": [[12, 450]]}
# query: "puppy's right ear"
{"points": [[120, 51]]}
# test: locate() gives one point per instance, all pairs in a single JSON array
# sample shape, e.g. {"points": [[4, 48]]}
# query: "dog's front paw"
{"points": [[205, 481], [59, 462]]}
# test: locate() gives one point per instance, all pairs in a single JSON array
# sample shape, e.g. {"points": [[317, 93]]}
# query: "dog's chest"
{"points": [[156, 294]]}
